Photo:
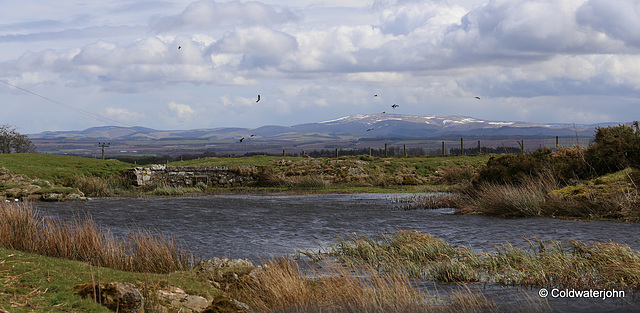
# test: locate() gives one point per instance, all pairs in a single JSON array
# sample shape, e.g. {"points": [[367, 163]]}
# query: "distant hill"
{"points": [[348, 127]]}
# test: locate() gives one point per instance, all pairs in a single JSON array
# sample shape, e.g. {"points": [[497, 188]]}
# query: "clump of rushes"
{"points": [[405, 251], [567, 265], [23, 228], [570, 264], [430, 201]]}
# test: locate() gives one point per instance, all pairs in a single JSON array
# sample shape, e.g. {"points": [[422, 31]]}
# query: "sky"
{"points": [[171, 64]]}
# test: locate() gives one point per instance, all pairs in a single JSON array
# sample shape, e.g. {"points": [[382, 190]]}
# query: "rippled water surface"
{"points": [[259, 226]]}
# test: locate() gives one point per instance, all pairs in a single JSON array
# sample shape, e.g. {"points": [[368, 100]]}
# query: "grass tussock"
{"points": [[22, 228], [405, 251], [570, 264], [524, 199], [282, 286]]}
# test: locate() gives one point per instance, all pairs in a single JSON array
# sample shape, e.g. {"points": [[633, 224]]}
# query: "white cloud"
{"points": [[618, 19], [209, 13], [258, 46], [312, 59], [123, 115], [183, 112]]}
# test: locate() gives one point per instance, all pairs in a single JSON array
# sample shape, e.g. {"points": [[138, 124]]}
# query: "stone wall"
{"points": [[189, 176]]}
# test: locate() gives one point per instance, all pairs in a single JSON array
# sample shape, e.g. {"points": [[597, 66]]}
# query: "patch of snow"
{"points": [[501, 123], [347, 118]]}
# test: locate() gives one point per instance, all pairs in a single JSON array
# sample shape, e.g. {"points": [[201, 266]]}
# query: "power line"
{"points": [[78, 110]]}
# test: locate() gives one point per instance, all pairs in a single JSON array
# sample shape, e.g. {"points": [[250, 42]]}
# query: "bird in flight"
{"points": [[394, 106], [478, 98], [179, 47], [258, 99], [370, 129], [241, 139], [253, 135], [375, 95]]}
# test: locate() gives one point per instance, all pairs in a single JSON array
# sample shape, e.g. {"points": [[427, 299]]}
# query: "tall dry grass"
{"points": [[524, 199], [282, 286], [23, 228]]}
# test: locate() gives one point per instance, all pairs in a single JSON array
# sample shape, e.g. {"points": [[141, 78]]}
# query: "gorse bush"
{"points": [[614, 148], [513, 168]]}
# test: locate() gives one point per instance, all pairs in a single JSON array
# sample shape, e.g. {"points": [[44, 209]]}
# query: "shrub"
{"points": [[614, 148], [513, 168], [566, 164]]}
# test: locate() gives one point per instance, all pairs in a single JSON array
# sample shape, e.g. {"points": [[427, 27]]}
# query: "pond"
{"points": [[258, 227]]}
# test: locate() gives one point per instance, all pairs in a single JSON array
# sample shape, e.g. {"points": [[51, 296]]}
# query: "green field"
{"points": [[59, 169]]}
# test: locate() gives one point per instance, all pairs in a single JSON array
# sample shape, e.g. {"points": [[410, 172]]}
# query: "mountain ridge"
{"points": [[357, 126]]}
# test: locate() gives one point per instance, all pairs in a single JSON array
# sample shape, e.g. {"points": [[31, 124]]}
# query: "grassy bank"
{"points": [[614, 196], [40, 174], [60, 169], [352, 174]]}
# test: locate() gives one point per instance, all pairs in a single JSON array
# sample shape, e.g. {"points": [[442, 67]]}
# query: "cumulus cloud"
{"points": [[258, 46], [618, 19], [123, 115], [209, 13], [181, 111]]}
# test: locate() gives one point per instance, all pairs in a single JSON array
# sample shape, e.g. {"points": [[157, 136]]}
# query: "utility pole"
{"points": [[103, 145]]}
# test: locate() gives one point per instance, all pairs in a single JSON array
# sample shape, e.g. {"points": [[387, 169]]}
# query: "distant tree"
{"points": [[13, 142]]}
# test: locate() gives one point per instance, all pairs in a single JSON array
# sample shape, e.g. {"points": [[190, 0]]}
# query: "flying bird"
{"points": [[478, 98], [253, 135], [179, 47], [241, 139], [375, 95], [370, 129], [384, 112], [394, 106], [258, 99]]}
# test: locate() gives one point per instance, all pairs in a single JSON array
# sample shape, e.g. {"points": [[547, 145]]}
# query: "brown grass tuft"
{"points": [[23, 228]]}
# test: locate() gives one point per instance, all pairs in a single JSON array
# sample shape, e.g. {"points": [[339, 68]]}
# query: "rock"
{"points": [[223, 304], [216, 266], [175, 299], [223, 272], [118, 297]]}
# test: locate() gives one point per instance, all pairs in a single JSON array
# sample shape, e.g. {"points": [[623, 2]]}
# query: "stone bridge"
{"points": [[189, 176]]}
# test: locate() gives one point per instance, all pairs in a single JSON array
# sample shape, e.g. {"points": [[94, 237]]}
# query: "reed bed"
{"points": [[23, 228], [561, 264], [282, 286], [430, 201]]}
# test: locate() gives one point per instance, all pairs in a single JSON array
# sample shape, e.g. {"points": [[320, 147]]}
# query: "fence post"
{"points": [[556, 143], [479, 151], [443, 148], [336, 153], [461, 147], [282, 152], [385, 150], [405, 150], [369, 151]]}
